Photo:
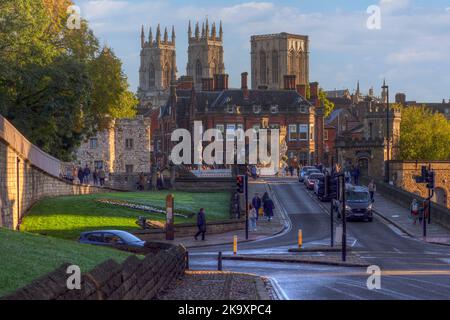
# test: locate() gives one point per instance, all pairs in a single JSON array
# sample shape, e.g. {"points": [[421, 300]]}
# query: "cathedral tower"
{"points": [[158, 61], [205, 53], [275, 56]]}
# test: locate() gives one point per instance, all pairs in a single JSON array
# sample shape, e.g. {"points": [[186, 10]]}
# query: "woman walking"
{"points": [[252, 214]]}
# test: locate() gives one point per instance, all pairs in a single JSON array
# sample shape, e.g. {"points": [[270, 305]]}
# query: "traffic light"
{"points": [[240, 184], [330, 187], [430, 180]]}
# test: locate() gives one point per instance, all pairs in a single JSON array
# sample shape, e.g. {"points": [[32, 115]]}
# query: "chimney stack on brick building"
{"points": [[289, 82], [244, 84], [220, 82], [400, 98], [207, 84], [301, 90]]}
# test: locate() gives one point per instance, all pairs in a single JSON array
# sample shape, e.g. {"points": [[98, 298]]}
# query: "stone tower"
{"points": [[158, 60], [275, 56], [205, 53]]}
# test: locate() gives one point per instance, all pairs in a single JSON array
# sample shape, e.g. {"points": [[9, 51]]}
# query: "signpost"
{"points": [[170, 229]]}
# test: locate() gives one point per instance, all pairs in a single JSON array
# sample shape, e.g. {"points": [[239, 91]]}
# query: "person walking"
{"points": [[95, 177], [256, 203], [268, 208], [201, 224], [102, 177], [372, 189], [86, 173], [252, 214], [415, 210], [81, 175]]}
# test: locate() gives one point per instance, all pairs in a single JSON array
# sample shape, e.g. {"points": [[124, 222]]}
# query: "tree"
{"points": [[424, 135], [327, 104], [56, 85]]}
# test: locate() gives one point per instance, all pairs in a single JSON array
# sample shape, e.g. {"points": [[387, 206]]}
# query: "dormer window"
{"points": [[256, 109], [304, 109], [274, 109], [230, 109]]}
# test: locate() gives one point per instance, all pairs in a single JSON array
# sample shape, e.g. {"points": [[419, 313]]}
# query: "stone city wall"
{"points": [[134, 279]]}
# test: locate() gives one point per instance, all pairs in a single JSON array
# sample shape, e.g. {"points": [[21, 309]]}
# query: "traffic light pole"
{"points": [[332, 223], [246, 206], [344, 221]]}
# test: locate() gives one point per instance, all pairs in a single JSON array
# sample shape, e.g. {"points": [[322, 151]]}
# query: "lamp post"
{"points": [[386, 89]]}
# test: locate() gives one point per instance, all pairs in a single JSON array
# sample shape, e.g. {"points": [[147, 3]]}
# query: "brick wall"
{"points": [[134, 279]]}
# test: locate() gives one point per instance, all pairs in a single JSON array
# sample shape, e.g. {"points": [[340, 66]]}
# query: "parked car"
{"points": [[111, 238], [303, 172], [312, 178], [308, 173], [358, 205]]}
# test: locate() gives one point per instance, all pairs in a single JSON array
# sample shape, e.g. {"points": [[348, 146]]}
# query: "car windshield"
{"points": [[357, 196], [127, 237], [310, 172], [315, 176], [305, 169]]}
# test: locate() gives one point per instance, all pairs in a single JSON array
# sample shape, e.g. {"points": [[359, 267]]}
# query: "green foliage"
{"points": [[424, 135], [327, 104], [56, 85]]}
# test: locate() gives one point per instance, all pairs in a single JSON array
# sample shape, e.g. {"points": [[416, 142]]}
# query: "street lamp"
{"points": [[386, 89]]}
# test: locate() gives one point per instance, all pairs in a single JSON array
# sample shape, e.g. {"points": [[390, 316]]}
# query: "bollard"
{"points": [[235, 245], [300, 238], [219, 261], [187, 260]]}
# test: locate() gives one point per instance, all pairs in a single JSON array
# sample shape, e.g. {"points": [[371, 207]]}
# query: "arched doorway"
{"points": [[363, 164], [440, 196]]}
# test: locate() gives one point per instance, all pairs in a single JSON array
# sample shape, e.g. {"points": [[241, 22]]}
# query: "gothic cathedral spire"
{"points": [[142, 37], [189, 30]]}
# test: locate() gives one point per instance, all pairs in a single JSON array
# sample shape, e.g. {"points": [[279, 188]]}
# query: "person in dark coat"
{"points": [[265, 197], [87, 173], [201, 224], [268, 208], [80, 175], [256, 203]]}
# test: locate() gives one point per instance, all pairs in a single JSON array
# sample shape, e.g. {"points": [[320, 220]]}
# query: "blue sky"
{"points": [[412, 49]]}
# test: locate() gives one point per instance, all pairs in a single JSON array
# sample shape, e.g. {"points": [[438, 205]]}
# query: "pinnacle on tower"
{"points": [[190, 30], [203, 30], [150, 36], [166, 35], [142, 37], [213, 31], [158, 34], [207, 28], [197, 31], [220, 31], [173, 34]]}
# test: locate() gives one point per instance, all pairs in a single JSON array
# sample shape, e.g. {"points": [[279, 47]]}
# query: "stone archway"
{"points": [[440, 196], [363, 164]]}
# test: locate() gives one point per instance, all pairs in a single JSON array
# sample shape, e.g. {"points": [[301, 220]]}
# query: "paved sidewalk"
{"points": [[264, 228], [400, 217]]}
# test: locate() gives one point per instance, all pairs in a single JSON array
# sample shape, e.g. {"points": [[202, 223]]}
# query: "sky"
{"points": [[411, 49]]}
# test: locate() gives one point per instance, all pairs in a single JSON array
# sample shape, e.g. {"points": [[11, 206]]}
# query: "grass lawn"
{"points": [[25, 257], [67, 217]]}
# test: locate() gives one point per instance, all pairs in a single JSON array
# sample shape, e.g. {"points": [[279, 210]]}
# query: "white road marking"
{"points": [[278, 290]]}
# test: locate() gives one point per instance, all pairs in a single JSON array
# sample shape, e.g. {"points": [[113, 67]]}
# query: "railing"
{"points": [[33, 154]]}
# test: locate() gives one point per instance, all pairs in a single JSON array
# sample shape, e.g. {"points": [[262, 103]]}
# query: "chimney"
{"points": [[400, 98], [289, 82], [244, 84], [207, 84], [314, 89], [301, 90], [185, 83], [220, 82]]}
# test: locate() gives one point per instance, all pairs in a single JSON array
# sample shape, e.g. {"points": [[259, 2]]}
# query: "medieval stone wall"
{"points": [[403, 173], [134, 279]]}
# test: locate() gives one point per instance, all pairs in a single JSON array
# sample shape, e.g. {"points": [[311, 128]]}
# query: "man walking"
{"points": [[256, 203], [268, 208], [81, 175], [201, 224], [102, 177], [87, 173]]}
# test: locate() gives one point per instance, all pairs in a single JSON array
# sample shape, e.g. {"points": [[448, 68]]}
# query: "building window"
{"points": [[129, 168], [311, 133], [293, 136], [303, 132], [303, 109], [263, 67], [93, 143], [274, 67], [151, 76], [274, 109], [129, 143], [198, 72], [230, 109], [325, 135], [98, 165], [303, 158], [257, 109], [231, 129]]}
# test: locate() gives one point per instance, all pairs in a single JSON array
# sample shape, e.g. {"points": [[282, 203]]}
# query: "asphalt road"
{"points": [[411, 269]]}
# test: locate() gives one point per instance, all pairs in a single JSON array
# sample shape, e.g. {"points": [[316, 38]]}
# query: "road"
{"points": [[411, 269]]}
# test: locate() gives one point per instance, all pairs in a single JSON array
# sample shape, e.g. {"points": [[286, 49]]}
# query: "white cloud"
{"points": [[414, 55]]}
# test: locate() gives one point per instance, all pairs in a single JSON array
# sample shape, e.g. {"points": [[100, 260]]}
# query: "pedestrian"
{"points": [[265, 197], [268, 208], [74, 173], [86, 174], [254, 172], [95, 177], [159, 182], [257, 203], [372, 189], [201, 224], [252, 214], [102, 177], [80, 175], [415, 210], [291, 170]]}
